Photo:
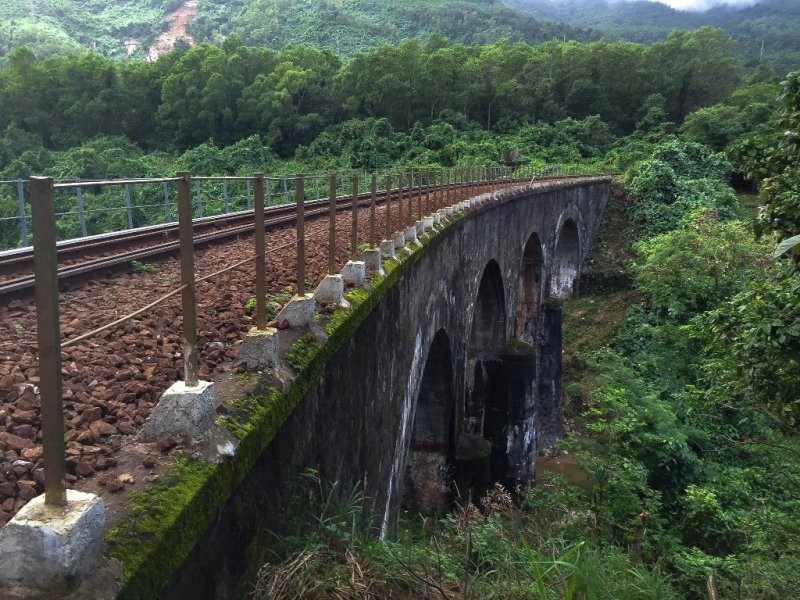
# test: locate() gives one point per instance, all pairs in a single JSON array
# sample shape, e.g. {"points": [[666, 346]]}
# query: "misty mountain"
{"points": [[765, 32], [118, 28]]}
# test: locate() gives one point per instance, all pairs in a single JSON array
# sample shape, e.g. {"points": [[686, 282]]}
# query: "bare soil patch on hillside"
{"points": [[178, 20]]}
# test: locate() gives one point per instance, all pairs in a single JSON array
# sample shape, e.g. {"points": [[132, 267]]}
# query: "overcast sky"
{"points": [[704, 4]]}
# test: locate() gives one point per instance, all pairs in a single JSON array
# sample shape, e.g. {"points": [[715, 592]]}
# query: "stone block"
{"points": [[411, 235], [331, 291], [420, 226], [259, 349], [399, 240], [354, 272], [182, 411], [49, 549], [299, 312], [427, 222], [372, 260], [387, 249]]}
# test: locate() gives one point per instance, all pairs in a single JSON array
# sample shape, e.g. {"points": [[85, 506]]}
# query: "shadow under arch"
{"points": [[529, 290], [427, 474], [566, 261], [481, 452], [488, 335]]}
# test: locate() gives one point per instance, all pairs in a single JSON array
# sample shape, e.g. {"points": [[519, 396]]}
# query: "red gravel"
{"points": [[112, 381]]}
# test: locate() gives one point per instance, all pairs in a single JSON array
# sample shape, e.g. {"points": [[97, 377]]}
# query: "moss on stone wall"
{"points": [[166, 521]]}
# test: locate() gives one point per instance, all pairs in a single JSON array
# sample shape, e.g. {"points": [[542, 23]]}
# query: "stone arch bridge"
{"points": [[449, 379]]}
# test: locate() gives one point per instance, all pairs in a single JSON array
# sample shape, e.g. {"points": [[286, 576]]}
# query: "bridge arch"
{"points": [[529, 289], [431, 448], [488, 333], [481, 446], [565, 266]]}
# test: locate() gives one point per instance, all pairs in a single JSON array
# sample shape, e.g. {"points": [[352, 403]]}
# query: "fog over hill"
{"points": [[766, 31]]}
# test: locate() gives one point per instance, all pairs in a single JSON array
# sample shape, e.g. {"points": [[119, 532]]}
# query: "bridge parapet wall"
{"points": [[354, 419]]}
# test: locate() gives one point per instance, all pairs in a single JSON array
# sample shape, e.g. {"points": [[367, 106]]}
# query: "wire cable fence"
{"points": [[88, 208]]}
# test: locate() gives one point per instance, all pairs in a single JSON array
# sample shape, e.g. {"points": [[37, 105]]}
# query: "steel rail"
{"points": [[284, 214]]}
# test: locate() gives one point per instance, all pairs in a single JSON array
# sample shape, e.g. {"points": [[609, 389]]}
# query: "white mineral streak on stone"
{"points": [[415, 374]]}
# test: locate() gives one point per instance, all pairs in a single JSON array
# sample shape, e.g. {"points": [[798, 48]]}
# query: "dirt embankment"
{"points": [[178, 20]]}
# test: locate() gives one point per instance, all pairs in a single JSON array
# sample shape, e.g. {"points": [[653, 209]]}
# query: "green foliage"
{"points": [[142, 268], [752, 343], [274, 302], [349, 27], [771, 160], [765, 32], [677, 178], [695, 267], [493, 550]]}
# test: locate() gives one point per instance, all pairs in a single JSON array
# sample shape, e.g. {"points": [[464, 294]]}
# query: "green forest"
{"points": [[681, 375], [766, 32]]}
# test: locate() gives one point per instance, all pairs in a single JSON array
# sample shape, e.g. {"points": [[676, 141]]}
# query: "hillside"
{"points": [[775, 23], [119, 28], [114, 28]]}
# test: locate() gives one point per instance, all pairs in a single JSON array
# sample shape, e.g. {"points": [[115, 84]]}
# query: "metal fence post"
{"points": [[388, 207], [285, 191], [261, 253], [128, 208], [167, 209], [247, 193], [189, 291], [199, 186], [331, 223], [23, 223], [225, 195], [45, 268], [373, 192], [428, 200], [81, 215], [354, 211], [400, 194], [301, 235], [409, 217]]}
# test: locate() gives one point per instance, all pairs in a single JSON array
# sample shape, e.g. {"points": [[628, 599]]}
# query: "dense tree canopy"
{"points": [[230, 92]]}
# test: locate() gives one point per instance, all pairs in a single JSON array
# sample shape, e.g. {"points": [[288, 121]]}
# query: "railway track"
{"points": [[83, 256]]}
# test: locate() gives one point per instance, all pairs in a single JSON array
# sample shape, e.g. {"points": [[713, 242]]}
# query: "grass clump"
{"points": [[497, 548], [274, 302]]}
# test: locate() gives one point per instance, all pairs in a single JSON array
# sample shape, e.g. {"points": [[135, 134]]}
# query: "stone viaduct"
{"points": [[441, 378], [449, 379]]}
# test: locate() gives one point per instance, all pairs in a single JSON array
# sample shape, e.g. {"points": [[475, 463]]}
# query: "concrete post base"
{"points": [[387, 248], [420, 226], [51, 548], [399, 240], [427, 222], [449, 211], [411, 234], [259, 349], [354, 272], [183, 411], [331, 291], [372, 260], [299, 312]]}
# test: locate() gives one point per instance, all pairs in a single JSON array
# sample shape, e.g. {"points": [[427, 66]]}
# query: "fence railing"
{"points": [[86, 208], [406, 197]]}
